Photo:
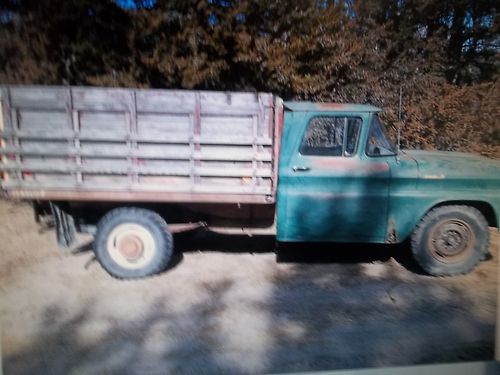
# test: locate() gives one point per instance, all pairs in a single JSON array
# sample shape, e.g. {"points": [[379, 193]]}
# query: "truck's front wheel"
{"points": [[133, 243], [450, 240]]}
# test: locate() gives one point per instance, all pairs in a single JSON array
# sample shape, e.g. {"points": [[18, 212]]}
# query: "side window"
{"points": [[378, 143], [331, 136]]}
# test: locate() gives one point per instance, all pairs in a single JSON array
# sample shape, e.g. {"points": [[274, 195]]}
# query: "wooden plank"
{"points": [[255, 128], [94, 123], [15, 127], [77, 151], [55, 150], [233, 172], [148, 124], [229, 104], [229, 111], [203, 172], [3, 159], [6, 123], [133, 129], [139, 196], [52, 121], [1, 115], [165, 101], [172, 188], [115, 168], [74, 120], [112, 137], [38, 97], [100, 99], [63, 167], [195, 143], [234, 141], [67, 135], [204, 155], [222, 126]]}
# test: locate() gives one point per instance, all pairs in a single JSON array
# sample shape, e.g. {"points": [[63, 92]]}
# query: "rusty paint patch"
{"points": [[392, 236], [331, 106]]}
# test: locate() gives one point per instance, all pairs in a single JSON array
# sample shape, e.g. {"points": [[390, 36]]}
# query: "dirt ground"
{"points": [[230, 306]]}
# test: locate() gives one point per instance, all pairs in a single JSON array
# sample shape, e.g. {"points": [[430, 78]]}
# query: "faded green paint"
{"points": [[311, 107], [445, 177], [370, 199]]}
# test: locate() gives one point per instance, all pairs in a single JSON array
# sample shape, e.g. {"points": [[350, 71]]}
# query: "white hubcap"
{"points": [[131, 246]]}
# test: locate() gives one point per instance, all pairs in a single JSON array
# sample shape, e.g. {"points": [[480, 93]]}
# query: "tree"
{"points": [[63, 41], [443, 54]]}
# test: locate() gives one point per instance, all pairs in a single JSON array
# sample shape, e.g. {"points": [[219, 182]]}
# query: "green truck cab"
{"points": [[341, 179], [134, 166]]}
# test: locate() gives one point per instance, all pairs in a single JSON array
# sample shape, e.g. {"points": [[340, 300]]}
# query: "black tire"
{"points": [[450, 240], [159, 243]]}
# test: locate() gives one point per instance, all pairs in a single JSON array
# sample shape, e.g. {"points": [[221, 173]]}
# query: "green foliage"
{"points": [[444, 55]]}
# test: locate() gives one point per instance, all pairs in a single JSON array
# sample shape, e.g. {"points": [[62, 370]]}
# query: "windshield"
{"points": [[378, 142]]}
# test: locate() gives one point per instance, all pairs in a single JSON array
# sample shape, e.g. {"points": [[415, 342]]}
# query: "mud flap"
{"points": [[65, 226]]}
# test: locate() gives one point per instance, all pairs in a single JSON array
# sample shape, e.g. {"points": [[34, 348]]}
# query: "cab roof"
{"points": [[303, 106]]}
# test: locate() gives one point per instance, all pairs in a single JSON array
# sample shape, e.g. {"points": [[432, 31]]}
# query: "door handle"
{"points": [[300, 168]]}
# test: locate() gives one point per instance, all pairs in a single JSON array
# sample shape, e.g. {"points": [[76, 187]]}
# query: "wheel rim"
{"points": [[131, 245], [451, 241]]}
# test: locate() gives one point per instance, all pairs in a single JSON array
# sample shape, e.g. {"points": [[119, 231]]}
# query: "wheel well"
{"points": [[484, 207]]}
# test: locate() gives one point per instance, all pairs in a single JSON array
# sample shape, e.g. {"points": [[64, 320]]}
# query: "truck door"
{"points": [[329, 189]]}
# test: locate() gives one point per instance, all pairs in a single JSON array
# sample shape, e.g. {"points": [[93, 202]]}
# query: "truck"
{"points": [[133, 166]]}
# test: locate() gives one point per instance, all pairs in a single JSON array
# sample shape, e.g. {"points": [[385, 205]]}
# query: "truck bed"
{"points": [[107, 144]]}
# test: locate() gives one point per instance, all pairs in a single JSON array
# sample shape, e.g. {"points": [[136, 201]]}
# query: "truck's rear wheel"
{"points": [[132, 243], [450, 240]]}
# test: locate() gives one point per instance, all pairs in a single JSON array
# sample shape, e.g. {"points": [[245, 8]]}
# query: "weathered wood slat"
{"points": [[113, 137], [68, 135], [114, 168], [161, 101], [3, 159], [38, 97], [54, 151], [203, 172], [101, 99], [151, 188], [220, 140], [61, 167], [140, 196]]}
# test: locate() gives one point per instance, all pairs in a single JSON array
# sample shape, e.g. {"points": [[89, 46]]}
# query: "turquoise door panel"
{"points": [[330, 198]]}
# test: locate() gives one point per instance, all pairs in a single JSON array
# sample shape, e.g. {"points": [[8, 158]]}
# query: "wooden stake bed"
{"points": [[83, 143]]}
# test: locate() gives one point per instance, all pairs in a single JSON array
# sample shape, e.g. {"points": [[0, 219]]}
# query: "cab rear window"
{"points": [[331, 136]]}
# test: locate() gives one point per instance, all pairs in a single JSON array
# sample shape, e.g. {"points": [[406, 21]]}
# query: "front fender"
{"points": [[407, 211]]}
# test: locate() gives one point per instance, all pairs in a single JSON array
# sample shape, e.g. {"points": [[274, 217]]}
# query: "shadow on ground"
{"points": [[322, 306], [304, 252]]}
